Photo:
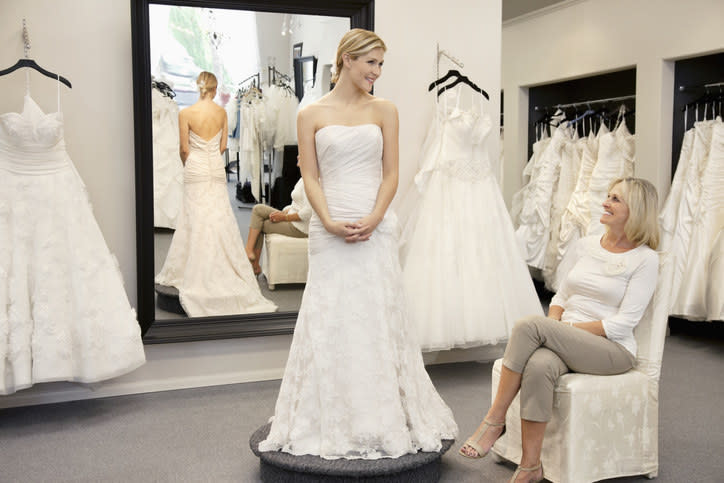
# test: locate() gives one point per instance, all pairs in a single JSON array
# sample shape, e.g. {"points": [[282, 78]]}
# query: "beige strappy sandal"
{"points": [[473, 440], [531, 469]]}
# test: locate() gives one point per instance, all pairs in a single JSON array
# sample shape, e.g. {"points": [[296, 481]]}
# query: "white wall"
{"points": [[272, 43], [89, 43], [579, 38], [95, 54], [468, 29]]}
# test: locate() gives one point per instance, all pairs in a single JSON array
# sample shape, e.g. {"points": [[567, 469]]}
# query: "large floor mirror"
{"points": [[270, 57]]}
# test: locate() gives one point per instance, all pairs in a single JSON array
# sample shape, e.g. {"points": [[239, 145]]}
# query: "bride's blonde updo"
{"points": [[206, 81], [356, 42]]}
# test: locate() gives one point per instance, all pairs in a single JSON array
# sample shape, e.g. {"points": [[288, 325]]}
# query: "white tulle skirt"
{"points": [[465, 279]]}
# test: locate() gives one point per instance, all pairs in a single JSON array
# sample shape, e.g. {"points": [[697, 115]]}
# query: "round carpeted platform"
{"points": [[167, 299], [280, 467]]}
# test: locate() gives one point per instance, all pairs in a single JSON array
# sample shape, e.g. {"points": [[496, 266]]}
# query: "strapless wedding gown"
{"points": [[465, 278], [355, 384], [64, 313], [206, 261]]}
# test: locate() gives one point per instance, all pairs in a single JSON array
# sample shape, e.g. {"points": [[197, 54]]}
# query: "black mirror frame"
{"points": [[299, 74], [360, 13]]}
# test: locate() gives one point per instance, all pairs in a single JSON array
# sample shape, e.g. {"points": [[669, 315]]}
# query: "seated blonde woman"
{"points": [[589, 329], [292, 221]]}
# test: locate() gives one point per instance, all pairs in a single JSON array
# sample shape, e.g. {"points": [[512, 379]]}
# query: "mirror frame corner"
{"points": [[361, 15]]}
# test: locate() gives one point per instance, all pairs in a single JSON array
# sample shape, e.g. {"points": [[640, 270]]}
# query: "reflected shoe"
{"points": [[472, 441], [539, 466]]}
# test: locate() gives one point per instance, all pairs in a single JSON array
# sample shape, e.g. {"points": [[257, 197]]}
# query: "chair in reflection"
{"points": [[284, 259]]}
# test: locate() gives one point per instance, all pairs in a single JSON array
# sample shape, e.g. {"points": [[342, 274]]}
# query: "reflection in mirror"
{"points": [[252, 57], [305, 75]]}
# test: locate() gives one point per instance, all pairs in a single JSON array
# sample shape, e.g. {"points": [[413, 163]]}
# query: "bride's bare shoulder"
{"points": [[384, 105], [385, 110]]}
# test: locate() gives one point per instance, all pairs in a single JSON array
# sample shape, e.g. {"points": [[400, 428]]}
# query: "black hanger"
{"points": [[548, 118], [460, 78], [442, 79], [164, 88], [33, 65]]}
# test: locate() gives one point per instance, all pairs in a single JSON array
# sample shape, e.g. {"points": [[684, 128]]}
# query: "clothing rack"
{"points": [[703, 86], [273, 73], [586, 103], [707, 99], [257, 80]]}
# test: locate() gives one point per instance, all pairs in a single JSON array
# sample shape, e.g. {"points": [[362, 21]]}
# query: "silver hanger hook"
{"points": [[26, 39]]}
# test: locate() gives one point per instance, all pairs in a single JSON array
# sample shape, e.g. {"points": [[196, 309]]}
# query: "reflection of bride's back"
{"points": [[204, 162], [206, 261]]}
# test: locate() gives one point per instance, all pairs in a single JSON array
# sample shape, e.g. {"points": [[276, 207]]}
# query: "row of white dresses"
{"points": [[168, 171], [567, 181], [258, 125], [64, 314], [465, 280], [692, 223]]}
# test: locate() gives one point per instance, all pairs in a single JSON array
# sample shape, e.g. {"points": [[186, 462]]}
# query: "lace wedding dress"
{"points": [[65, 315], [355, 385], [206, 261], [465, 278]]}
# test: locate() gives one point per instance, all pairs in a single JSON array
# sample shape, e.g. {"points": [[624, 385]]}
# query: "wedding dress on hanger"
{"points": [[465, 279], [168, 171], [576, 218], [530, 174], [616, 151], [565, 185], [65, 315], [693, 230], [533, 232]]}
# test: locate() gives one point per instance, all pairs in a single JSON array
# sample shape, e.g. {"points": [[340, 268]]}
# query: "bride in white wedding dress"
{"points": [[355, 384], [206, 261]]}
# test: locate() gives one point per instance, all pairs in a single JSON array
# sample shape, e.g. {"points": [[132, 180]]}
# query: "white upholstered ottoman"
{"points": [[284, 259]]}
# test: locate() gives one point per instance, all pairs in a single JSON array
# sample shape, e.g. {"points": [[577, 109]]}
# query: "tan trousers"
{"points": [[542, 349], [260, 221]]}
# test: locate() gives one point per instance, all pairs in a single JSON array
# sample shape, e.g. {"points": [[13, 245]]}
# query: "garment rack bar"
{"points": [[273, 73], [584, 103], [699, 87], [256, 76]]}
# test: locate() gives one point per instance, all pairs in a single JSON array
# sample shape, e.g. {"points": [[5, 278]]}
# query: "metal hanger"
{"points": [[30, 63]]}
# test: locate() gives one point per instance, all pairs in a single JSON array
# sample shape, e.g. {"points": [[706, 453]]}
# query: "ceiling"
{"points": [[516, 8]]}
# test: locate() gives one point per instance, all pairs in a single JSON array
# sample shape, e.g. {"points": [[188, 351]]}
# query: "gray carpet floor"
{"points": [[201, 435]]}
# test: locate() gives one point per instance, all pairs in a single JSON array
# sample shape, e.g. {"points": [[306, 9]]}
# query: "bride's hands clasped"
{"points": [[365, 227], [354, 232]]}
